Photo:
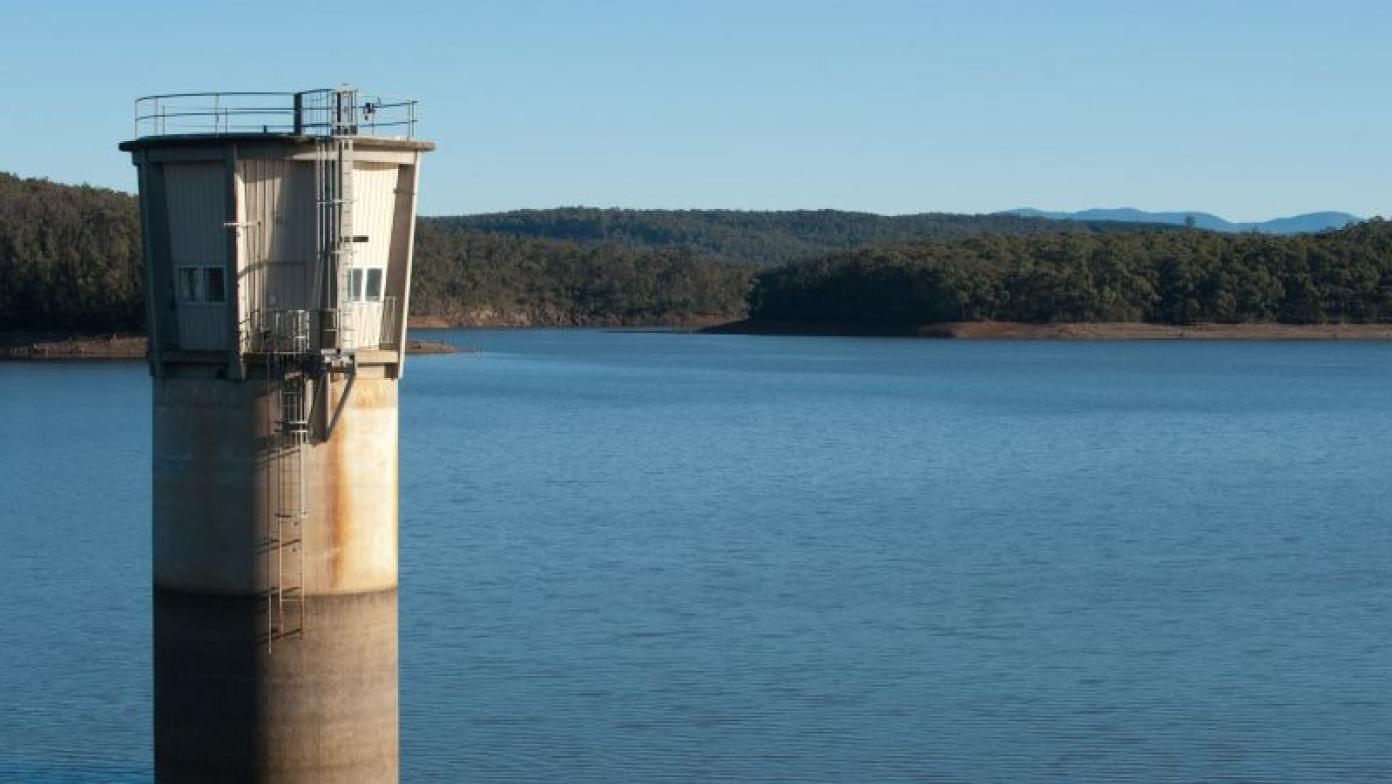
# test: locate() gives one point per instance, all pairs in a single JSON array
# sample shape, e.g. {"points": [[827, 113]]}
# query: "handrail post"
{"points": [[299, 114]]}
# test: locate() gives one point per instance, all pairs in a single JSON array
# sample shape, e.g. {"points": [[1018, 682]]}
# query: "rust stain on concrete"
{"points": [[340, 490]]}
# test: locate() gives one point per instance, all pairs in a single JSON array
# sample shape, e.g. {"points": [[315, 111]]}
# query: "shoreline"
{"points": [[522, 320], [127, 347], [1007, 330], [118, 347]]}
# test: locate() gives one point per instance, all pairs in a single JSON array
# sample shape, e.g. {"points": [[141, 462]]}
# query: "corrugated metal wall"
{"points": [[197, 207], [278, 250], [374, 204]]}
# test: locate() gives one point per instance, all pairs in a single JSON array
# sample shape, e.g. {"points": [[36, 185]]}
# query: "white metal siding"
{"points": [[196, 195], [278, 240], [374, 205]]}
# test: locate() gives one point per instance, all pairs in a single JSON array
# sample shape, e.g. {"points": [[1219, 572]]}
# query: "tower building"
{"points": [[278, 232]]}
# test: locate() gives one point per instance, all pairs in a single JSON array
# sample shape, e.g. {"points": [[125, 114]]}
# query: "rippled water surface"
{"points": [[644, 557]]}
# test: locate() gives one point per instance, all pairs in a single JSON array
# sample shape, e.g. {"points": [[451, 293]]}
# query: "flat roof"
{"points": [[208, 139]]}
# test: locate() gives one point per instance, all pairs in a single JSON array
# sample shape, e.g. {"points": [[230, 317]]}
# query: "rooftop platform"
{"points": [[361, 143], [302, 115]]}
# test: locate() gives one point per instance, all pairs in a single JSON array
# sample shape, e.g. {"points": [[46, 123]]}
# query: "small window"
{"points": [[365, 284], [201, 284], [188, 284], [213, 291], [355, 285]]}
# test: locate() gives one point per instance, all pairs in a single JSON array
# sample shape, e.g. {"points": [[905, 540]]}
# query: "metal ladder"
{"points": [[287, 394], [292, 349], [334, 215]]}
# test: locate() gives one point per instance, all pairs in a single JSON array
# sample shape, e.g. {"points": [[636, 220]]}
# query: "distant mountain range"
{"points": [[1298, 224]]}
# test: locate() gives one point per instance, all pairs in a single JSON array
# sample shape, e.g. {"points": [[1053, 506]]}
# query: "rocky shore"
{"points": [[1003, 330], [551, 318]]}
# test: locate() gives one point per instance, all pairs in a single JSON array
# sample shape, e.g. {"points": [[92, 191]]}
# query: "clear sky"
{"points": [[1247, 109]]}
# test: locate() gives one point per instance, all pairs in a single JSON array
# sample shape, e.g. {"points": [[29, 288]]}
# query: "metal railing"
{"points": [[369, 324], [343, 111], [279, 331], [292, 331], [388, 336]]}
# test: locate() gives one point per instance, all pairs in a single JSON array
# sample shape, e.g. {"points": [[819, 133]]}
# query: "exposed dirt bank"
{"points": [[414, 346], [1004, 330], [39, 347], [557, 318], [42, 346]]}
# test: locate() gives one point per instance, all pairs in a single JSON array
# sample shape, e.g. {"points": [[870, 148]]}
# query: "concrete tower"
{"points": [[278, 230]]}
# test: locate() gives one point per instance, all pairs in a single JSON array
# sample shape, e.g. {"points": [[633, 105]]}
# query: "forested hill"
{"points": [[70, 259], [763, 238], [1156, 276], [469, 277]]}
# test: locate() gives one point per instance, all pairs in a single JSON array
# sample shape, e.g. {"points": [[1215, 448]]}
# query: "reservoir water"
{"points": [[664, 557]]}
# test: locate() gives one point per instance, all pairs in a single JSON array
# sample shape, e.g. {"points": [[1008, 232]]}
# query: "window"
{"points": [[201, 284], [189, 284], [213, 288], [374, 283], [365, 284]]}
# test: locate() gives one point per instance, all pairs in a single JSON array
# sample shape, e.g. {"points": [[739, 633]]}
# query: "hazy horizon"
{"points": [[132, 192]]}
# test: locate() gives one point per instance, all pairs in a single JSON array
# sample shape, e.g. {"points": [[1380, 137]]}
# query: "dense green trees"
{"points": [[763, 238], [70, 259], [1156, 276], [473, 277]]}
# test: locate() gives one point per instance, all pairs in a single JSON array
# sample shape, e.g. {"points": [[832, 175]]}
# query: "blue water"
{"points": [[658, 557]]}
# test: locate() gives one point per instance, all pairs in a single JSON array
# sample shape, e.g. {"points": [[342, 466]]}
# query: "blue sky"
{"points": [[1248, 109]]}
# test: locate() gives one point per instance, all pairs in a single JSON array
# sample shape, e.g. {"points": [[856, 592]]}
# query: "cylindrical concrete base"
{"points": [[319, 707]]}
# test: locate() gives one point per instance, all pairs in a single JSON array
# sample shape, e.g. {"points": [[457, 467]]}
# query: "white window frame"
{"points": [[193, 284], [360, 280]]}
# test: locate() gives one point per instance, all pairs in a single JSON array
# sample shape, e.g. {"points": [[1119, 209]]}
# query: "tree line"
{"points": [[1152, 276], [70, 259], [466, 276], [764, 238]]}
